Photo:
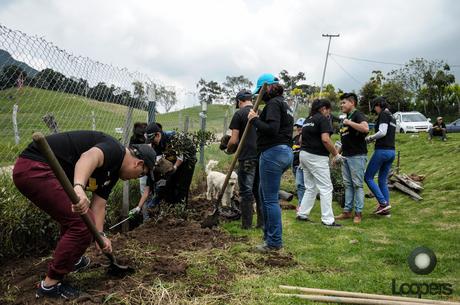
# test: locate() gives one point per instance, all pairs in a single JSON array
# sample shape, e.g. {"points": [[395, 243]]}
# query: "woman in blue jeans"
{"points": [[384, 154], [274, 136]]}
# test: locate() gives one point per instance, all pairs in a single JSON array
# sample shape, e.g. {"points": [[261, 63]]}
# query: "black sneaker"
{"points": [[82, 263], [332, 225], [302, 218], [58, 291]]}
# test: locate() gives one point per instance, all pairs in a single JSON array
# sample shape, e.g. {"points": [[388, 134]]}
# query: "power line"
{"points": [[376, 61], [367, 60], [346, 72]]}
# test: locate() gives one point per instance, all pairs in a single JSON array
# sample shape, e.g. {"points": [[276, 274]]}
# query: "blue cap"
{"points": [[267, 78]]}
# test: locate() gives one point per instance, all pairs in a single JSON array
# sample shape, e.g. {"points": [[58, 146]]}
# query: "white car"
{"points": [[412, 121]]}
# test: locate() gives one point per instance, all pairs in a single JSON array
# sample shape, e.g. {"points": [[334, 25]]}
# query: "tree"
{"points": [[166, 98], [396, 95], [209, 92], [371, 90], [412, 76], [290, 81], [11, 75], [234, 84], [436, 87]]}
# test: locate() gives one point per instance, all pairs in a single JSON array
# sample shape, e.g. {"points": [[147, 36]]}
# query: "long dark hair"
{"points": [[318, 104], [273, 90]]}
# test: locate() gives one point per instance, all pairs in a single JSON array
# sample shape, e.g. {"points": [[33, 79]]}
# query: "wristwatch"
{"points": [[103, 234]]}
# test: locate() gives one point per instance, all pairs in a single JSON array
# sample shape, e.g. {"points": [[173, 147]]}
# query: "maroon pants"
{"points": [[37, 182]]}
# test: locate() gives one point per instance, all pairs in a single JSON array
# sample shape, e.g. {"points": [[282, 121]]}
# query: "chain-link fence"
{"points": [[44, 88]]}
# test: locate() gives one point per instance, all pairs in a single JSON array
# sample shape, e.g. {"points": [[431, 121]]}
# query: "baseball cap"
{"points": [[146, 153], [150, 131], [299, 122], [267, 78], [243, 95]]}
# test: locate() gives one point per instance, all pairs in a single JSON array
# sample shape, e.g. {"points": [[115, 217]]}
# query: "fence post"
{"points": [[186, 123], [93, 120], [125, 204], [204, 108], [151, 111], [15, 124], [225, 124]]}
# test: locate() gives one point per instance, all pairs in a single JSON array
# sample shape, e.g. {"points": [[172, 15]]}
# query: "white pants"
{"points": [[317, 176]]}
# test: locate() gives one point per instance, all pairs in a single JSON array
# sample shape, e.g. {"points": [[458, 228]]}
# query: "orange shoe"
{"points": [[344, 215], [357, 218]]}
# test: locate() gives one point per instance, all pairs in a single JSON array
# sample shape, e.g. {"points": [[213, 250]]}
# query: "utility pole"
{"points": [[327, 56]]}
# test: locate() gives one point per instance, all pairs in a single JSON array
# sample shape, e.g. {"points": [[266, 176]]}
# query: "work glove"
{"points": [[338, 159], [134, 212], [224, 142], [369, 139]]}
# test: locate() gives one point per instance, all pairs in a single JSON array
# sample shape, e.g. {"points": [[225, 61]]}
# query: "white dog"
{"points": [[215, 181]]}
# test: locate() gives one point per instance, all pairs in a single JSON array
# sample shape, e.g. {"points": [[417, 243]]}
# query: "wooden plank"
{"points": [[407, 191], [408, 182]]}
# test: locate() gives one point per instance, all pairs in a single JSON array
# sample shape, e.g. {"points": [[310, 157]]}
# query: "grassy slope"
{"points": [[74, 112], [327, 259]]}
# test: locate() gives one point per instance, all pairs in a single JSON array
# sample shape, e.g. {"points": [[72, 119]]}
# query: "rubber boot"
{"points": [[246, 214]]}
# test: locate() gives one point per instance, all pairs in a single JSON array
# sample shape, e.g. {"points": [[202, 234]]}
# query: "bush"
{"points": [[24, 229]]}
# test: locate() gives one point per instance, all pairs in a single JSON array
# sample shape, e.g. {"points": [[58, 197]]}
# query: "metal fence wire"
{"points": [[44, 88]]}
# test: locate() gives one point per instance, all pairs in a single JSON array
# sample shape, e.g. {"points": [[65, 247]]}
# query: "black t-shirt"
{"points": [[296, 150], [388, 141], [353, 141], [69, 146], [239, 122], [437, 125], [312, 129], [274, 125]]}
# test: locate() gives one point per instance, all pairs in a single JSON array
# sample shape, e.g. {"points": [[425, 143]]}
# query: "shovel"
{"points": [[213, 219], [114, 269]]}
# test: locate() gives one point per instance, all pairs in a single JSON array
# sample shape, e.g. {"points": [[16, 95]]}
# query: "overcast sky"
{"points": [[181, 41]]}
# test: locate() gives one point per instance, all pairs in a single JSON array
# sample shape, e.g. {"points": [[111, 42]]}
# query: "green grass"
{"points": [[73, 112], [378, 254]]}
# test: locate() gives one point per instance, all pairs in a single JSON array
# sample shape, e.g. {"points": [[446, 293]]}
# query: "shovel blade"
{"points": [[119, 270]]}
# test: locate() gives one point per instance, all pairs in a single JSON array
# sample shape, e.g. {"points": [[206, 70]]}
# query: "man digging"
{"points": [[94, 162]]}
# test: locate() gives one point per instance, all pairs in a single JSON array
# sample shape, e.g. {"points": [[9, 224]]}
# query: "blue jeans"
{"points": [[380, 162], [300, 185], [353, 179], [248, 183], [273, 163]]}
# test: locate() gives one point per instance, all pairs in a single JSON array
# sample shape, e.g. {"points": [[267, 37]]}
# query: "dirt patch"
{"points": [[279, 260], [156, 249]]}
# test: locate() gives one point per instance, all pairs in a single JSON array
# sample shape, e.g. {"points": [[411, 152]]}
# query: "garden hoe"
{"points": [[114, 268], [213, 219]]}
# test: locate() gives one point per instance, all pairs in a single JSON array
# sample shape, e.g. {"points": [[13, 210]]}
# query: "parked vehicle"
{"points": [[454, 126], [412, 121]]}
